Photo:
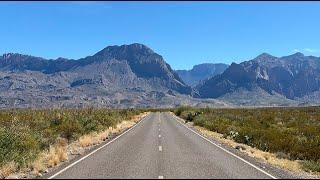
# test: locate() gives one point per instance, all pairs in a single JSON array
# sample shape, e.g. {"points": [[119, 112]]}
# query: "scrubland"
{"points": [[37, 139], [34, 140], [291, 135]]}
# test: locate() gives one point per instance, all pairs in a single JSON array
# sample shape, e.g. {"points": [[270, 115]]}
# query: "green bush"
{"points": [[24, 133], [312, 166], [292, 131], [20, 146]]}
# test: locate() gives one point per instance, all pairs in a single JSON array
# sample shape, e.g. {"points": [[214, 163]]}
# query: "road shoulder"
{"points": [[236, 148], [54, 171]]}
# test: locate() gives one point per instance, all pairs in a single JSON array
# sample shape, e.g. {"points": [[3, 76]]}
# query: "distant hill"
{"points": [[135, 76], [120, 76], [137, 60], [293, 77], [201, 72]]}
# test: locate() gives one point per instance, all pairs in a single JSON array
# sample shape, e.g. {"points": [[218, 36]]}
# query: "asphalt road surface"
{"points": [[159, 147]]}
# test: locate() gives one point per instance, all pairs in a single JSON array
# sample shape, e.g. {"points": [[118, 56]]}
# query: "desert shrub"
{"points": [[88, 125], [189, 115], [292, 131], [24, 133], [181, 109], [282, 155], [311, 166], [68, 127], [18, 146]]}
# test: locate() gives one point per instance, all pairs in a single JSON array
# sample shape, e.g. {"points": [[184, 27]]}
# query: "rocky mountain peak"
{"points": [[61, 59], [133, 65], [137, 46], [294, 58], [131, 49], [264, 57], [298, 54], [7, 56], [292, 76]]}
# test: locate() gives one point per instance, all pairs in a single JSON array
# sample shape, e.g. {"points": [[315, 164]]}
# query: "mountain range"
{"points": [[294, 78], [135, 76], [117, 76], [201, 72]]}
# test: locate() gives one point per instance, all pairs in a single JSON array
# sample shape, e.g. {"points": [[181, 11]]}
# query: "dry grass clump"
{"points": [[105, 134], [93, 138], [39, 165], [138, 117], [7, 169], [123, 125], [89, 140], [96, 138], [57, 153]]}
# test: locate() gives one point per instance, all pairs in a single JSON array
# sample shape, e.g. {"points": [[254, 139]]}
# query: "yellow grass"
{"points": [[96, 138], [104, 135], [39, 166], [85, 141], [59, 152], [51, 158], [253, 152], [56, 155], [139, 117], [8, 169]]}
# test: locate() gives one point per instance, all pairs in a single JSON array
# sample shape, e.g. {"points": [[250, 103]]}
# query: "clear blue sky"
{"points": [[184, 33]]}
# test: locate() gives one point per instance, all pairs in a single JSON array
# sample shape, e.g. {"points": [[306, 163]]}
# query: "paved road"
{"points": [[161, 147]]}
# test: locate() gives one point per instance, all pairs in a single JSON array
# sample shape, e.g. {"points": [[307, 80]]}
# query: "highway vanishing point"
{"points": [[160, 147]]}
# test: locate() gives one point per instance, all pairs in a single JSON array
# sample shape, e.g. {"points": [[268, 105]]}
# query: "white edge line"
{"points": [[254, 166], [66, 168]]}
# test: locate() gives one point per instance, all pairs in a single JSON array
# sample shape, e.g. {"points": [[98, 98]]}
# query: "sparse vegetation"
{"points": [[290, 133], [312, 166], [25, 134], [37, 139]]}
